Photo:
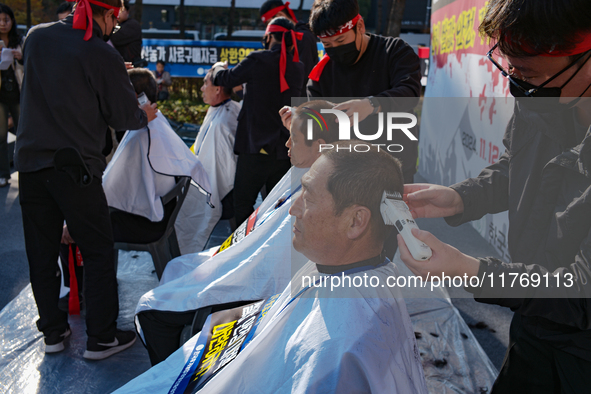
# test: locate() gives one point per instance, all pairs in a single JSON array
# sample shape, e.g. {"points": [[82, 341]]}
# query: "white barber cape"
{"points": [[143, 169], [257, 267], [214, 147], [185, 264], [346, 340]]}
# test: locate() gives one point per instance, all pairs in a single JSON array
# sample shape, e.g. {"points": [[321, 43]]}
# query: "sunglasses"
{"points": [[517, 83]]}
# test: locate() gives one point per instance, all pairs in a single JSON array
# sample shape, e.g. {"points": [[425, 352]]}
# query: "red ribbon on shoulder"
{"points": [[283, 58], [83, 15], [318, 68], [274, 11]]}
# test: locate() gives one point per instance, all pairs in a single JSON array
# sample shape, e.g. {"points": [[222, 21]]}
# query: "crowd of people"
{"points": [[241, 310]]}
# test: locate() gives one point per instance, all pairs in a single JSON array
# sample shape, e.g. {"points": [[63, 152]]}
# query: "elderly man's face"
{"points": [[209, 91], [318, 233], [300, 154]]}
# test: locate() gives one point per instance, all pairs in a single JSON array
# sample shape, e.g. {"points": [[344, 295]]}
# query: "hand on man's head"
{"points": [[150, 110]]}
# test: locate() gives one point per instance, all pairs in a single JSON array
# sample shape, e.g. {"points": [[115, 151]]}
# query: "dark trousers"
{"points": [[162, 329], [14, 110], [253, 171], [131, 228], [532, 365], [47, 197]]}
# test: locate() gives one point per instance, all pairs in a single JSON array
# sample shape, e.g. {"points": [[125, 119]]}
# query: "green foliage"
{"points": [[183, 110], [185, 104]]}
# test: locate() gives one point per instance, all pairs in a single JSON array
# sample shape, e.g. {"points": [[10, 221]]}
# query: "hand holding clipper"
{"points": [[395, 212]]}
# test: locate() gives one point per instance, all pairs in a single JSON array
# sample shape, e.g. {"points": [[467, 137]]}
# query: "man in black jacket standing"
{"points": [[128, 39], [272, 78], [73, 110], [544, 181], [307, 47], [384, 71]]}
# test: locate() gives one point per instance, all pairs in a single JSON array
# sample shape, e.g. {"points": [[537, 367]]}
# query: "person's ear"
{"points": [[359, 218], [361, 27], [316, 145]]}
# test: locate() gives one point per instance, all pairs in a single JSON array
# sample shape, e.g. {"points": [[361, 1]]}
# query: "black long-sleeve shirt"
{"points": [[72, 90], [259, 123], [390, 70], [128, 40], [308, 51]]}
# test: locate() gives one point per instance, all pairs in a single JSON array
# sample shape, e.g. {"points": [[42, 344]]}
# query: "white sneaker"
{"points": [[3, 182]]}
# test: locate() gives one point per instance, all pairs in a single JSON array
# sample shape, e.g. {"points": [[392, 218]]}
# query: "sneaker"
{"points": [[54, 342], [98, 351], [3, 182]]}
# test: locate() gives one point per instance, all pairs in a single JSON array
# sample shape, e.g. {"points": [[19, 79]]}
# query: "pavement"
{"points": [[489, 323]]}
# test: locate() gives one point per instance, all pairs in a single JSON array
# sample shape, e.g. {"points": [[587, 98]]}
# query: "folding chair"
{"points": [[167, 247]]}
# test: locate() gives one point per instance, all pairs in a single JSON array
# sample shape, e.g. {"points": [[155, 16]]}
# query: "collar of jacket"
{"points": [[577, 158], [96, 30]]}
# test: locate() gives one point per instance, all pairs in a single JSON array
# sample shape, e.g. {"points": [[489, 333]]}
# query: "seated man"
{"points": [[317, 336], [214, 147], [143, 170], [256, 253]]}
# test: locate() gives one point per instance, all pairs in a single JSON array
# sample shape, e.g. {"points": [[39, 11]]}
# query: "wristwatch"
{"points": [[374, 103]]}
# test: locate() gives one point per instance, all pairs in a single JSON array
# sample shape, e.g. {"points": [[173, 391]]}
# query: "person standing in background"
{"points": [[273, 77], [162, 79], [10, 84], [128, 39], [307, 47]]}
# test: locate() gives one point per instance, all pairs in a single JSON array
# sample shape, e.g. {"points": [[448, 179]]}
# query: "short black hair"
{"points": [[327, 15], [531, 28], [360, 178], [330, 132], [126, 5], [286, 23], [66, 6], [269, 5], [161, 62], [143, 80]]}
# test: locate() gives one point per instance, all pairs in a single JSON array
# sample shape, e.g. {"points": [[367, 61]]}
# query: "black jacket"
{"points": [[259, 123], [544, 180], [72, 90], [390, 70], [308, 51], [128, 40]]}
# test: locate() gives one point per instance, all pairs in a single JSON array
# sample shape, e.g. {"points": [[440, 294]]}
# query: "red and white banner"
{"points": [[466, 108]]}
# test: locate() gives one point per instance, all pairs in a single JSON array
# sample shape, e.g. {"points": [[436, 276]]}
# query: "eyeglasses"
{"points": [[516, 81]]}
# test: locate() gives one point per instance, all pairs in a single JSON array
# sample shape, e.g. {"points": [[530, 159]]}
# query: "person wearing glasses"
{"points": [[544, 180]]}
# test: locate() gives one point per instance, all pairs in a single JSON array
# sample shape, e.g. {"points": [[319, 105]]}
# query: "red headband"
{"points": [[581, 47], [318, 68], [272, 12], [341, 29], [283, 58], [83, 15]]}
